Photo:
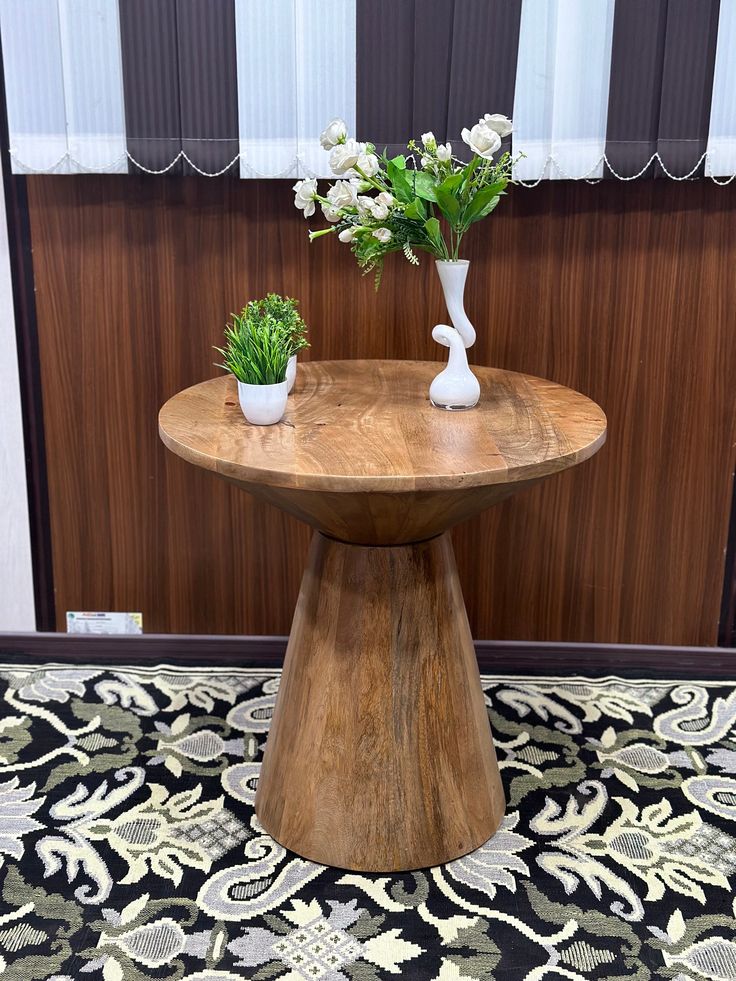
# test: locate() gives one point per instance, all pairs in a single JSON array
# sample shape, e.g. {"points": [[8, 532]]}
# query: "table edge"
{"points": [[389, 483]]}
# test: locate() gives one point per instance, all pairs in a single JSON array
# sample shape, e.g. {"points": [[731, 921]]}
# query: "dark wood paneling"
{"points": [[624, 292]]}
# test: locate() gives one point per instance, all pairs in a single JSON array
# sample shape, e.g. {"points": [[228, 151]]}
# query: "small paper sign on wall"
{"points": [[104, 623]]}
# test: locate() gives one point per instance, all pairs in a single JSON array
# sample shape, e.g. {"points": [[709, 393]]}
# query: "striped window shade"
{"points": [[597, 89]]}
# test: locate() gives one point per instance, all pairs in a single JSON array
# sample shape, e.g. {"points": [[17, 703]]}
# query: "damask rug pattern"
{"points": [[130, 850]]}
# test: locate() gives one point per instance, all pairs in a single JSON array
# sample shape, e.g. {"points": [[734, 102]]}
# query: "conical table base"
{"points": [[380, 755]]}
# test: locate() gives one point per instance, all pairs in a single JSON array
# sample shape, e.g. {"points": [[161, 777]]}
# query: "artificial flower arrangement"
{"points": [[424, 201], [383, 205]]}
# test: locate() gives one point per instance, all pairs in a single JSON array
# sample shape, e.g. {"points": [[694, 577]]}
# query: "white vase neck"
{"points": [[452, 277]]}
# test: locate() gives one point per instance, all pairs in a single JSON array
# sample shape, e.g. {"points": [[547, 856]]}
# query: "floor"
{"points": [[132, 852]]}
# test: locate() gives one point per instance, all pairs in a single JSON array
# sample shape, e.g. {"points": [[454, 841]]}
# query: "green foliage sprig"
{"points": [[283, 310], [261, 339]]}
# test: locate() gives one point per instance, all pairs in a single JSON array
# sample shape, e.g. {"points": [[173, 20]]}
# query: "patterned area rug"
{"points": [[130, 850]]}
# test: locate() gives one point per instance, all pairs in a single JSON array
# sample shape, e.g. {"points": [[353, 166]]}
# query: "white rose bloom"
{"points": [[342, 194], [365, 205], [482, 139], [444, 153], [368, 164], [385, 198], [346, 235], [334, 133], [498, 123], [304, 198], [383, 235], [429, 140], [379, 211], [345, 156], [330, 213]]}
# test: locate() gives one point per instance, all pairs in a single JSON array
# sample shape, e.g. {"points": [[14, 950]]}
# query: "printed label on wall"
{"points": [[104, 623]]}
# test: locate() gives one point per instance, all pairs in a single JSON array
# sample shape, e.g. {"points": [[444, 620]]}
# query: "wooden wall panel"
{"points": [[625, 292]]}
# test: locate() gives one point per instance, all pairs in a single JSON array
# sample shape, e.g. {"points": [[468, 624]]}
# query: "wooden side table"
{"points": [[380, 755]]}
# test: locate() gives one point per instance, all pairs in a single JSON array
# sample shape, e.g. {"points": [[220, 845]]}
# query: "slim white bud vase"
{"points": [[456, 387]]}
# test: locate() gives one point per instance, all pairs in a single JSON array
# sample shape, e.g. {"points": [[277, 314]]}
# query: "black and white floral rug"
{"points": [[130, 850]]}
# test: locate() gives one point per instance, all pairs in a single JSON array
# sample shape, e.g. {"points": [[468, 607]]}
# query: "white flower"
{"points": [[429, 140], [482, 139], [305, 194], [342, 194], [345, 155], [426, 162], [368, 164], [383, 235], [377, 207], [334, 133], [330, 213], [498, 123], [444, 153], [347, 234], [365, 205], [381, 204]]}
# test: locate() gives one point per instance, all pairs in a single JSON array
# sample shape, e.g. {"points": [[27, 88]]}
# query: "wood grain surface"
{"points": [[368, 425], [363, 456], [624, 292], [380, 757]]}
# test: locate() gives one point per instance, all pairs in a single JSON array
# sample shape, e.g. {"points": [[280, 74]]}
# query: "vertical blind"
{"points": [[596, 88]]}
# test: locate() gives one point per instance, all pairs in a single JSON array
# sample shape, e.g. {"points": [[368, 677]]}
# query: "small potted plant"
{"points": [[258, 347]]}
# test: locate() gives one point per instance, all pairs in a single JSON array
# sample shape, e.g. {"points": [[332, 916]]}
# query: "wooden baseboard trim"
{"points": [[627, 660], [507, 657]]}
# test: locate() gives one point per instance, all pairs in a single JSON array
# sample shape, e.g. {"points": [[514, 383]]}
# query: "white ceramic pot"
{"points": [[291, 373], [263, 405], [456, 387]]}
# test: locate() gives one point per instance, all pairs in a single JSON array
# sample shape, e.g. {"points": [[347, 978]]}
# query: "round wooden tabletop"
{"points": [[369, 426]]}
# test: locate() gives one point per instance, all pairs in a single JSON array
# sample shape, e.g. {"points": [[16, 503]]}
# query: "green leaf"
{"points": [[399, 161], [448, 204], [480, 205], [468, 171], [452, 182], [416, 210], [492, 204], [400, 182], [423, 185], [432, 227]]}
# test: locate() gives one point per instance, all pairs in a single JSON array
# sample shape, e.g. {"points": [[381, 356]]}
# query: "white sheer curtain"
{"points": [[721, 149], [64, 85], [562, 80], [16, 569], [296, 71]]}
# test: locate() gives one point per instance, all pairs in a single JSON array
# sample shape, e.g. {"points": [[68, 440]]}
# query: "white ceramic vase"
{"points": [[263, 405], [456, 387], [291, 373]]}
